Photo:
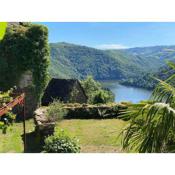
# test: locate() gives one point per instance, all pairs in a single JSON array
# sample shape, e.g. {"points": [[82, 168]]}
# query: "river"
{"points": [[126, 93]]}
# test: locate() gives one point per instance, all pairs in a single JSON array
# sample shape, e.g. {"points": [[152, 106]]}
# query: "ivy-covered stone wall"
{"points": [[25, 48]]}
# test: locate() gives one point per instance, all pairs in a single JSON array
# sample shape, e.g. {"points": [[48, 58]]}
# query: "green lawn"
{"points": [[12, 140], [94, 135]]}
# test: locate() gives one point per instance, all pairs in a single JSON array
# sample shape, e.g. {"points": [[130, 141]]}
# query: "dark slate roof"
{"points": [[59, 88]]}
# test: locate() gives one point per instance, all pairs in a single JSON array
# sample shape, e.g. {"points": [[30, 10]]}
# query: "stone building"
{"points": [[65, 90]]}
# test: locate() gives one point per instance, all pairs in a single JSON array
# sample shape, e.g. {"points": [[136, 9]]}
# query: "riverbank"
{"points": [[137, 85]]}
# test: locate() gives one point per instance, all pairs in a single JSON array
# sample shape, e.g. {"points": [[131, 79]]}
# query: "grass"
{"points": [[12, 142], [94, 135]]}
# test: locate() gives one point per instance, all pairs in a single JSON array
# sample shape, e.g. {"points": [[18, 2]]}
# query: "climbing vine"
{"points": [[24, 48]]}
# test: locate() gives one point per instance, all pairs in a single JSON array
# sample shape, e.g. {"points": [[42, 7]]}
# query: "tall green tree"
{"points": [[95, 92]]}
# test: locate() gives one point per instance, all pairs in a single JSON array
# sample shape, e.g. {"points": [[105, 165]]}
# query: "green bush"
{"points": [[103, 96], [5, 97], [55, 111], [61, 142], [95, 92], [8, 118], [90, 86]]}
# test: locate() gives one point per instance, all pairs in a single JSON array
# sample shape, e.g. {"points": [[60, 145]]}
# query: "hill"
{"points": [[147, 80], [75, 61]]}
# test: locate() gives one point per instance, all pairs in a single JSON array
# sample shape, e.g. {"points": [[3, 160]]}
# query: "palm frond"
{"points": [[133, 110], [152, 123], [149, 130], [171, 64], [164, 92]]}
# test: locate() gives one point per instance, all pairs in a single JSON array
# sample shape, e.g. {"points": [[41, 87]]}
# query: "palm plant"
{"points": [[151, 125]]}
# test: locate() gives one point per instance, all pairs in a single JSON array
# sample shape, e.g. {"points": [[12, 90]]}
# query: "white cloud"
{"points": [[111, 46]]}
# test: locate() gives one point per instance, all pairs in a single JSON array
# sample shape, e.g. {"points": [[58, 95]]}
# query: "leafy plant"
{"points": [[95, 92], [5, 97], [103, 96], [55, 111], [152, 123], [7, 120], [61, 142], [90, 86]]}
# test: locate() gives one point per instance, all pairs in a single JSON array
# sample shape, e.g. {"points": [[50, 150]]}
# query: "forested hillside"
{"points": [[73, 61], [131, 66], [148, 80]]}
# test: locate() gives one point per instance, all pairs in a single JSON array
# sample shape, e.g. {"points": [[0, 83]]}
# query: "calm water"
{"points": [[126, 93]]}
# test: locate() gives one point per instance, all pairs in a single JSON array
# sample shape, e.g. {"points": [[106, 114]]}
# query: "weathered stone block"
{"points": [[43, 127]]}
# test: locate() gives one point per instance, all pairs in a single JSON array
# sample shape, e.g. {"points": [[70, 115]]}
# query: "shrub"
{"points": [[90, 87], [61, 142], [95, 92], [55, 111], [5, 97], [7, 120], [103, 96]]}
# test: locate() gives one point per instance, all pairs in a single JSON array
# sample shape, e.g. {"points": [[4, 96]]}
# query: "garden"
{"points": [[99, 125], [73, 132], [93, 136]]}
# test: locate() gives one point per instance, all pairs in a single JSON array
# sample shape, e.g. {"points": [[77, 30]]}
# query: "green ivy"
{"points": [[25, 48]]}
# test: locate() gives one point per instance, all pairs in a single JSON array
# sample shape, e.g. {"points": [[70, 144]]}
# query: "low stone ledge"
{"points": [[86, 111], [43, 127]]}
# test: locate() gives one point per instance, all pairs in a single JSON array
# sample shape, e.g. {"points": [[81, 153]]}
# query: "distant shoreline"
{"points": [[125, 84]]}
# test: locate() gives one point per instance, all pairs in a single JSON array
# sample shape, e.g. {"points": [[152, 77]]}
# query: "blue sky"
{"points": [[112, 35]]}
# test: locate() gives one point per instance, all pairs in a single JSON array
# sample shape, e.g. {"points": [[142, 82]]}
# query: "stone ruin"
{"points": [[43, 127], [25, 86]]}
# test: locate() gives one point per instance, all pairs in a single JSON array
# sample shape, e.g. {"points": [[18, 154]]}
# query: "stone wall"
{"points": [[86, 111], [26, 86], [43, 127], [26, 80]]}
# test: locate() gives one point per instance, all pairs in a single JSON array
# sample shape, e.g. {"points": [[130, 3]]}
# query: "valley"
{"points": [[133, 66], [68, 98]]}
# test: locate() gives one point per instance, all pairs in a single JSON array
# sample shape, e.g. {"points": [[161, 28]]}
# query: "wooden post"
{"points": [[24, 125]]}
